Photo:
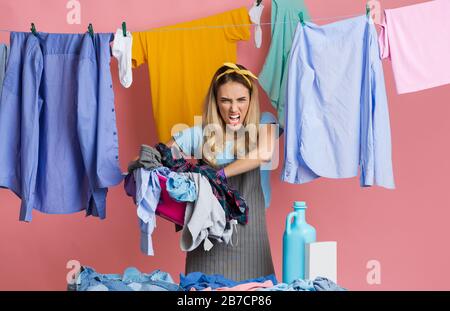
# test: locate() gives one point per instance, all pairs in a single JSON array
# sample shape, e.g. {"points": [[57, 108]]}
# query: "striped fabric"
{"points": [[251, 257]]}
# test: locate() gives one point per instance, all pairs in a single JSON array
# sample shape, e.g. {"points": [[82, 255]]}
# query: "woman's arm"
{"points": [[258, 156], [171, 143], [177, 152]]}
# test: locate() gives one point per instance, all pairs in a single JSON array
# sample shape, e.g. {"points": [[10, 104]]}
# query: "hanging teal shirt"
{"points": [[191, 140], [273, 77]]}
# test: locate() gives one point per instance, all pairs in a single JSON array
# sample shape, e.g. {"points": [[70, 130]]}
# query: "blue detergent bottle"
{"points": [[296, 235]]}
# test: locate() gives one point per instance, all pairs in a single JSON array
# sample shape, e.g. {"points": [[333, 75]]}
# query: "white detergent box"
{"points": [[321, 260]]}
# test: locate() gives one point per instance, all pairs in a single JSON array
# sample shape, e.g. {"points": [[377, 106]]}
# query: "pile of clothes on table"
{"points": [[193, 196], [134, 280]]}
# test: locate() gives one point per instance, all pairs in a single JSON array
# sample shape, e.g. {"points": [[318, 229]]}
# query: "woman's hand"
{"points": [[177, 153], [171, 143], [258, 156]]}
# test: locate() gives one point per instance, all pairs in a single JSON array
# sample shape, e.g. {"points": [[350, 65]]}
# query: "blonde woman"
{"points": [[232, 140]]}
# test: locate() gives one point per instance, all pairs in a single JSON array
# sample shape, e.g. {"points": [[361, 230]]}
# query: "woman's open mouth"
{"points": [[234, 119]]}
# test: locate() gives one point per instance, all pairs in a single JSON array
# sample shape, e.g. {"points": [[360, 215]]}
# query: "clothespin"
{"points": [[124, 29], [91, 30], [258, 2], [367, 10], [300, 15], [33, 29]]}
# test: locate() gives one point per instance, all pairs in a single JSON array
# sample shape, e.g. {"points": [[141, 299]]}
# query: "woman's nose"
{"points": [[234, 107]]}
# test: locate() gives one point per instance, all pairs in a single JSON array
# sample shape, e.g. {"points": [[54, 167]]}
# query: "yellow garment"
{"points": [[182, 62]]}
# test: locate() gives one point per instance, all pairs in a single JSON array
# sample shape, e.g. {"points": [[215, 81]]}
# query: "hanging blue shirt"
{"points": [[337, 115], [58, 135]]}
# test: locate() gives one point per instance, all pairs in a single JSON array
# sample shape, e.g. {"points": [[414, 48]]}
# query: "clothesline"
{"points": [[233, 25]]}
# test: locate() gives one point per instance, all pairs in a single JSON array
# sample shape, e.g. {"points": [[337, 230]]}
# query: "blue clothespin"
{"points": [[33, 29], [302, 20], [91, 30], [124, 29]]}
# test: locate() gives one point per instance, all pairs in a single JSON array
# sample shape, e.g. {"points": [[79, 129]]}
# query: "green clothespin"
{"points": [[91, 30], [367, 10], [33, 29], [300, 15], [124, 29]]}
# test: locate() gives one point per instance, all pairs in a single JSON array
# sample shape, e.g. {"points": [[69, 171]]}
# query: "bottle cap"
{"points": [[299, 204]]}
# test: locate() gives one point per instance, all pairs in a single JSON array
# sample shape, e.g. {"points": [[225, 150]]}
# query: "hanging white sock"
{"points": [[121, 50], [255, 16]]}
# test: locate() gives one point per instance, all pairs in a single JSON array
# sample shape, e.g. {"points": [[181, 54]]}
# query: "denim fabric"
{"points": [[324, 284], [297, 285], [319, 284], [97, 288], [90, 280], [156, 280], [131, 280]]}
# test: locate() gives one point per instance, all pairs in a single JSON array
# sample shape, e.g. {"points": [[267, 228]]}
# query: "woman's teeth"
{"points": [[234, 119]]}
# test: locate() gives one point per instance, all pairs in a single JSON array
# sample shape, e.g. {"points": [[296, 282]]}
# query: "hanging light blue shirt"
{"points": [[58, 135], [337, 115]]}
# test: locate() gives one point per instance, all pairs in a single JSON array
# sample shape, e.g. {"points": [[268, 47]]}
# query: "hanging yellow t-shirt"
{"points": [[182, 60]]}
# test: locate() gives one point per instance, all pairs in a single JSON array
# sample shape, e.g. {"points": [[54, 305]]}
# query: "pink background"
{"points": [[406, 230]]}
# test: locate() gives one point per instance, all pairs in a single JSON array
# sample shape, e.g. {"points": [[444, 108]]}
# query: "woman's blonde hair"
{"points": [[215, 127]]}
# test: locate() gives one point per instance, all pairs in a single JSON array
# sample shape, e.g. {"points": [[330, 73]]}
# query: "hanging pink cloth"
{"points": [[416, 39]]}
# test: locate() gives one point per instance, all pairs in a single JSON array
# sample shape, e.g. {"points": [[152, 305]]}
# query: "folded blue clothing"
{"points": [[90, 280], [131, 280], [297, 285], [324, 284], [318, 284], [134, 280], [201, 281]]}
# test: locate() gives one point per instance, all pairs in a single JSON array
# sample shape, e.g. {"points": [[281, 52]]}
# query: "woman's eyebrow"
{"points": [[240, 98]]}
